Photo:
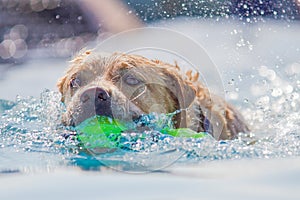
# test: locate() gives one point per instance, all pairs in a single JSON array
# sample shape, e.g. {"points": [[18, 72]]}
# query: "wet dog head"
{"points": [[122, 86]]}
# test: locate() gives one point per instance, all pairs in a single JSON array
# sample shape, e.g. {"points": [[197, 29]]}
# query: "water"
{"points": [[32, 137], [266, 90]]}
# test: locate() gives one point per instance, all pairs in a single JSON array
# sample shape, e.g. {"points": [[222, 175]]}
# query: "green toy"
{"points": [[102, 131], [183, 132]]}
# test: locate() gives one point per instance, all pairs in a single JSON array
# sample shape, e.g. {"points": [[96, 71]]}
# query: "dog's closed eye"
{"points": [[131, 80]]}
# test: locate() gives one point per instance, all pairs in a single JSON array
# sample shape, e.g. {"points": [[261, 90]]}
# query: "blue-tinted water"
{"points": [[263, 81], [32, 137]]}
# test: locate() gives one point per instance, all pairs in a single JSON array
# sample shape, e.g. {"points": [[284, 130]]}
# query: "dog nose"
{"points": [[96, 100], [102, 95], [97, 94]]}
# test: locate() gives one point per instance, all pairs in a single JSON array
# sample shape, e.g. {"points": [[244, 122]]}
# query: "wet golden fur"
{"points": [[161, 88]]}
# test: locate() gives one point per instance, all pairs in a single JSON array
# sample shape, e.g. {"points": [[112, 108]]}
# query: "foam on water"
{"points": [[32, 137]]}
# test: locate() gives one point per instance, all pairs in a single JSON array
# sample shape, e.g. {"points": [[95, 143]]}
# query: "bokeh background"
{"points": [[58, 28]]}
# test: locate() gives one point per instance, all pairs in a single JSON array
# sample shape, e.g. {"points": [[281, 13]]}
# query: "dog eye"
{"points": [[131, 80], [75, 83]]}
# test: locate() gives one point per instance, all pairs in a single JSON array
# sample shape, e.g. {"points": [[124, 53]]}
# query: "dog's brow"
{"points": [[141, 75], [115, 78]]}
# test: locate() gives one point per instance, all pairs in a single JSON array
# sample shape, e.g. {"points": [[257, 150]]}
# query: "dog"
{"points": [[124, 86]]}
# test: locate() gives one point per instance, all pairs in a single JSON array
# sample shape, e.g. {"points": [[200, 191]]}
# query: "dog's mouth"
{"points": [[134, 111], [133, 114]]}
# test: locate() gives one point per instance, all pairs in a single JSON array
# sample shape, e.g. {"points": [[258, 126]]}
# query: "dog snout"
{"points": [[99, 99], [97, 94]]}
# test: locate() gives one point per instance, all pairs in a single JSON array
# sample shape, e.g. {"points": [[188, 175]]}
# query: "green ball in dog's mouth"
{"points": [[105, 132]]}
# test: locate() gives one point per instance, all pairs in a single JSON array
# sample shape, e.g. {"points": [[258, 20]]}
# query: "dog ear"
{"points": [[60, 86], [235, 121], [199, 108], [77, 59], [224, 120], [183, 91]]}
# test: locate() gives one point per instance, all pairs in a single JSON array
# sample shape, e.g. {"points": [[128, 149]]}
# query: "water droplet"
{"points": [[295, 96], [271, 74], [231, 82], [240, 77], [233, 95], [57, 16], [264, 100], [7, 49], [293, 69], [276, 92], [250, 47], [288, 89], [262, 71]]}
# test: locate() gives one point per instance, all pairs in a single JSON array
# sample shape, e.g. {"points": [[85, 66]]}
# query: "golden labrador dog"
{"points": [[125, 86]]}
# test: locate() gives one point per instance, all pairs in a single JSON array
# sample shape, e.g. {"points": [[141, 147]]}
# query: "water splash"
{"points": [[32, 137]]}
